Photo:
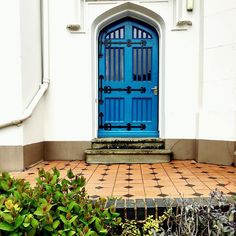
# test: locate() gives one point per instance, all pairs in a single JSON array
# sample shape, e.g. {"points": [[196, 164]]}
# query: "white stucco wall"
{"points": [[218, 115], [71, 108], [31, 68], [20, 70], [10, 71], [197, 80]]}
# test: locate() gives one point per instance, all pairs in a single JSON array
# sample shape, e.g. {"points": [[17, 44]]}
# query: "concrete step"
{"points": [[127, 143], [119, 156]]}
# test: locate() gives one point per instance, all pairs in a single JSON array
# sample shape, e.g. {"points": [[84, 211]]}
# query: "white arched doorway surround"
{"points": [[141, 13]]}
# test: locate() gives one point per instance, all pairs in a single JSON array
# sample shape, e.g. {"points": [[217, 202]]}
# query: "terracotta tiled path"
{"points": [[177, 178]]}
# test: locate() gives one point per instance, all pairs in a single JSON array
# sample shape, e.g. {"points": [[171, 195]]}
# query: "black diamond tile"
{"points": [[204, 172], [104, 174], [198, 167], [190, 185], [128, 179], [230, 172], [232, 193], [162, 195], [179, 172], [197, 194], [128, 187], [101, 180], [184, 178], [158, 186], [129, 168], [95, 196], [152, 168], [84, 169], [128, 195], [62, 169], [106, 169], [129, 174], [156, 179], [153, 173], [46, 164], [222, 167], [221, 185], [174, 167], [99, 187], [31, 173], [67, 164], [212, 177]]}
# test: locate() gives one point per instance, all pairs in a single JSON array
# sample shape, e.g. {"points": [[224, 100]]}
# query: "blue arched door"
{"points": [[128, 80]]}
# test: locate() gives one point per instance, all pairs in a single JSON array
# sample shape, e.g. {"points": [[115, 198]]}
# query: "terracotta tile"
{"points": [[166, 176]]}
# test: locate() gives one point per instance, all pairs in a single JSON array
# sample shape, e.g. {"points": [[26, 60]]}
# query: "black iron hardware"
{"points": [[129, 43], [128, 89], [109, 126], [100, 79]]}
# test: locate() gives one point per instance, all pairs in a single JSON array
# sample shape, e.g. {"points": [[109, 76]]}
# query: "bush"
{"points": [[54, 206], [215, 217]]}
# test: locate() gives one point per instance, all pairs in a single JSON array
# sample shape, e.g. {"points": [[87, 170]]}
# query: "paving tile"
{"points": [[188, 178]]}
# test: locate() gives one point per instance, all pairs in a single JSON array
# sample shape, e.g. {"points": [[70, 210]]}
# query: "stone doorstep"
{"points": [[127, 140], [128, 151], [128, 143], [138, 156]]}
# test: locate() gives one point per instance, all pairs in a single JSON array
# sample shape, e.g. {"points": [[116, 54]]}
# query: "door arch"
{"points": [[128, 77]]}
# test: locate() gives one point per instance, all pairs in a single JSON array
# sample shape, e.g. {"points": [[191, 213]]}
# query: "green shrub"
{"points": [[54, 206]]}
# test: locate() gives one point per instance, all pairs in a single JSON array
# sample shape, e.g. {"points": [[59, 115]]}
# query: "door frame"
{"points": [[140, 13]]}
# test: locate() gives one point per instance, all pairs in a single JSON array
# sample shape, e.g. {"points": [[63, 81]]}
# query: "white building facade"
{"points": [[49, 93]]}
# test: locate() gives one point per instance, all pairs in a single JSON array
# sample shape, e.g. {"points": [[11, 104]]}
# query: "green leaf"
{"points": [[4, 185], [19, 220], [71, 205], [55, 224], [38, 212], [83, 221], [34, 223], [115, 215], [7, 217], [71, 233], [70, 174], [26, 224], [63, 219], [98, 224], [32, 232], [17, 195], [63, 209], [54, 180], [48, 228], [91, 233], [103, 231], [92, 220], [6, 227], [73, 219]]}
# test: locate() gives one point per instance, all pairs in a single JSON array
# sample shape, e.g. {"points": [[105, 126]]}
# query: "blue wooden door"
{"points": [[128, 80]]}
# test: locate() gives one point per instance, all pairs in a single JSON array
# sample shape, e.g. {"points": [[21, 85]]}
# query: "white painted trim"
{"points": [[112, 15]]}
